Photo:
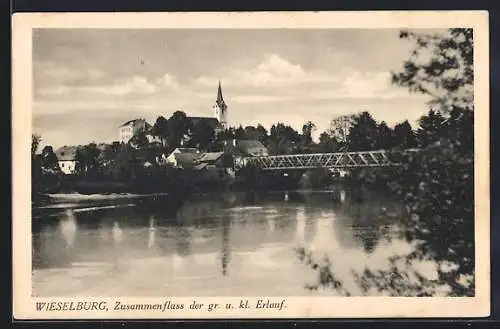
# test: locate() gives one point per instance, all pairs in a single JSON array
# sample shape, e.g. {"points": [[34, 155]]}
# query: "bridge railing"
{"points": [[380, 158]]}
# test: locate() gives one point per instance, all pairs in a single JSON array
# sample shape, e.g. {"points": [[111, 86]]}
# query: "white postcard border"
{"points": [[296, 307]]}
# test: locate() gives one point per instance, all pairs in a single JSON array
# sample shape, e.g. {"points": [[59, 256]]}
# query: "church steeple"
{"points": [[220, 107]]}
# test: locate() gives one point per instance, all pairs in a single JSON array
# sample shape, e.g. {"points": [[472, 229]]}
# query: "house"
{"points": [[183, 157], [241, 149], [252, 147], [66, 157], [246, 148], [215, 159], [214, 168], [131, 127]]}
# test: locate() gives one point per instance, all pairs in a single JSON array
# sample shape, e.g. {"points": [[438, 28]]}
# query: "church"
{"points": [[218, 122]]}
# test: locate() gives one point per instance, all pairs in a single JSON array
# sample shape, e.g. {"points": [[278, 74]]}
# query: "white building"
{"points": [[66, 159], [130, 128], [183, 157]]}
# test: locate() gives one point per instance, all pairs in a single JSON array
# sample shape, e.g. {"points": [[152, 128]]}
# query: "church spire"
{"points": [[220, 107], [220, 99]]}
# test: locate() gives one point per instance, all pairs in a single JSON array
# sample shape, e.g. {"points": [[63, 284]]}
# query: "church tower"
{"points": [[220, 108]]}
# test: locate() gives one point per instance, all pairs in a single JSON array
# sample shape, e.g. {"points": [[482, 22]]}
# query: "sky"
{"points": [[87, 82]]}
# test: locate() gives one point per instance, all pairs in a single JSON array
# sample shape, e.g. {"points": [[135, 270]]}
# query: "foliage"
{"points": [[431, 128], [328, 144], [35, 142], [178, 126], [307, 130], [437, 183], [202, 135], [239, 133], [363, 134], [340, 127], [440, 66], [88, 162], [139, 139], [385, 139], [404, 137], [45, 171], [262, 134], [160, 129]]}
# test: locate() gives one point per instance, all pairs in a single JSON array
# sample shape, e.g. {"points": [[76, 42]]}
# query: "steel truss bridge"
{"points": [[341, 160]]}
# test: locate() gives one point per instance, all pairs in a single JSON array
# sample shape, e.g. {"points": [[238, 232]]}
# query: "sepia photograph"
{"points": [[260, 167]]}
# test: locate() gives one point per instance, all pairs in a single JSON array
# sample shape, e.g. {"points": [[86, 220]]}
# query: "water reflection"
{"points": [[151, 232], [226, 249], [117, 233], [247, 240], [68, 228], [301, 226]]}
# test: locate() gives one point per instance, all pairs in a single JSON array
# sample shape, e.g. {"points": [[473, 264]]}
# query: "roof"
{"points": [[211, 156], [250, 143], [66, 153], [220, 100], [186, 150], [133, 122], [200, 166], [212, 122], [186, 159], [252, 147]]}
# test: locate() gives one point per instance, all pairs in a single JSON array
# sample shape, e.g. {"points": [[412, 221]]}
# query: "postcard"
{"points": [[250, 165]]}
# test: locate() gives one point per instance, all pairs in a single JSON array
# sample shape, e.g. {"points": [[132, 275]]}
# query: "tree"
{"points": [[239, 133], [262, 133], [384, 140], [404, 137], [284, 132], [48, 160], [45, 170], [252, 133], [178, 126], [327, 143], [431, 128], [440, 66], [87, 159], [307, 130], [363, 134], [202, 135], [340, 128], [160, 129], [227, 134], [459, 127], [35, 142], [139, 140], [283, 139], [124, 169], [107, 157]]}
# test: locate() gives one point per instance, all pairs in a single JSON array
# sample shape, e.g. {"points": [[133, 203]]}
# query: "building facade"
{"points": [[130, 128], [66, 157]]}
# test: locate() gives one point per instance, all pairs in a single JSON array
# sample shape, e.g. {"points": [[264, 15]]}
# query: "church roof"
{"points": [[212, 122], [220, 100]]}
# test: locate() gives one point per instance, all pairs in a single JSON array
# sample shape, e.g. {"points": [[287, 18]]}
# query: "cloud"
{"points": [[274, 71], [51, 73], [275, 79], [133, 85]]}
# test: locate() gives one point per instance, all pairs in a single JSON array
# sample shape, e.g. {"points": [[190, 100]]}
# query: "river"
{"points": [[232, 244]]}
